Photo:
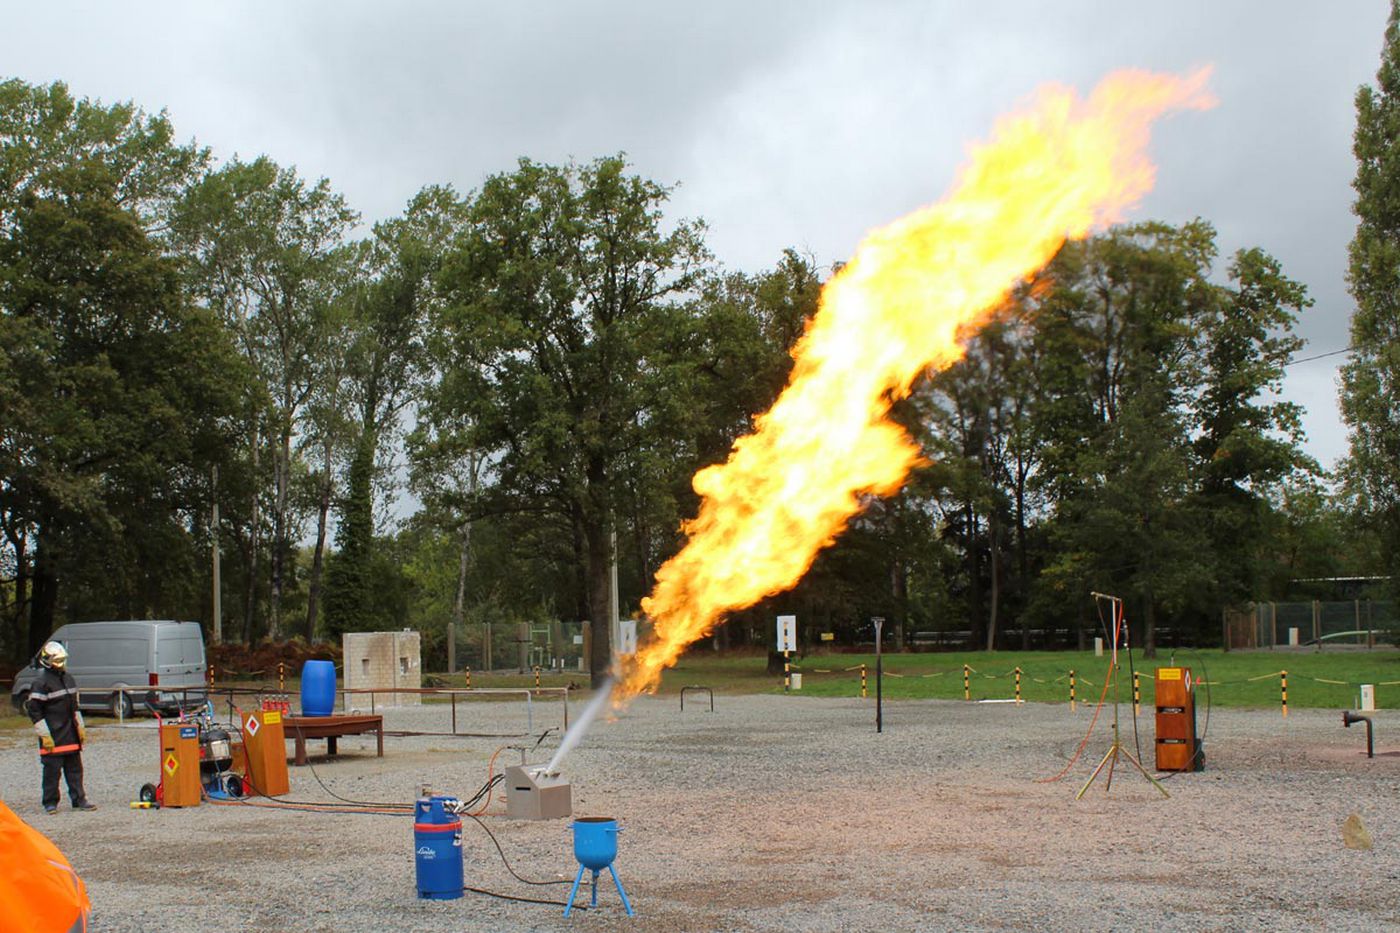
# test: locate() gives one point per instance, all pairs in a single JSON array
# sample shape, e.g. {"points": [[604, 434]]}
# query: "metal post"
{"points": [[218, 620], [1018, 686], [863, 694], [537, 676], [281, 677], [469, 678], [787, 672], [1283, 687], [1137, 693], [1071, 691], [967, 685], [454, 712], [879, 677]]}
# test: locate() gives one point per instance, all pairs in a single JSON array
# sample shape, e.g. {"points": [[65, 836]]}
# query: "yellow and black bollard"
{"points": [[1137, 693], [967, 683], [469, 678], [787, 671], [1071, 691], [537, 676], [1018, 686], [863, 693], [281, 677], [1283, 681]]}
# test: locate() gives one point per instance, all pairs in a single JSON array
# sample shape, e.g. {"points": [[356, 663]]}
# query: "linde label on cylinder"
{"points": [[437, 848]]}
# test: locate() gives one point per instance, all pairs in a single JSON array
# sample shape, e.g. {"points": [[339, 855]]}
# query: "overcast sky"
{"points": [[785, 123]]}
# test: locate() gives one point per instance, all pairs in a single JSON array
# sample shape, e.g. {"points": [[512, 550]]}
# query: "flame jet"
{"points": [[1054, 171]]}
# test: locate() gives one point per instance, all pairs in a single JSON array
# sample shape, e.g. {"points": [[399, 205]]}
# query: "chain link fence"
{"points": [[1357, 622]]}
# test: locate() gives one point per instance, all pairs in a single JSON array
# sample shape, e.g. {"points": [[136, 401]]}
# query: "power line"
{"points": [[1320, 356]]}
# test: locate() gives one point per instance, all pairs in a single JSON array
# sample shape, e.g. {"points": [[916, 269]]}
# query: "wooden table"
{"points": [[330, 728]]}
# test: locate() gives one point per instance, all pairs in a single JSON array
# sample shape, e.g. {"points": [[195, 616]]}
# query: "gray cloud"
{"points": [[786, 123]]}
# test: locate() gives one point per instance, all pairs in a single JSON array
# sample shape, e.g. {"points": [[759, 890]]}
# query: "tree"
{"points": [[1370, 395], [564, 293], [108, 433], [1122, 319], [261, 249], [1249, 440], [398, 268]]}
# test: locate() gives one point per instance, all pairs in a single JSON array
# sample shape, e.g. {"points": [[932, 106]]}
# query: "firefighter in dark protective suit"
{"points": [[53, 706]]}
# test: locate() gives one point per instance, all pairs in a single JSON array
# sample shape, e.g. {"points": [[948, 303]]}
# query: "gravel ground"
{"points": [[776, 813]]}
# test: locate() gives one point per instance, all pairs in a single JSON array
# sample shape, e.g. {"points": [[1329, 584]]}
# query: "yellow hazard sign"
{"points": [[172, 763], [271, 716], [1169, 673]]}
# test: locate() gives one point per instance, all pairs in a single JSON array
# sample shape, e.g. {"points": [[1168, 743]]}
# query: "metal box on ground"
{"points": [[265, 746], [179, 764], [1178, 749], [533, 794]]}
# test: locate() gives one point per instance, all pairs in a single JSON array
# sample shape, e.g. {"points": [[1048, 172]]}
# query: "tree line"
{"points": [[198, 353]]}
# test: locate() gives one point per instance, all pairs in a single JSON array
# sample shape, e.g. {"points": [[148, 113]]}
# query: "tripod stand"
{"points": [[1115, 748]]}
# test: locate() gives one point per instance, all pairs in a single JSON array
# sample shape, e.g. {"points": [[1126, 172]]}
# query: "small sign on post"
{"points": [[627, 643], [787, 633]]}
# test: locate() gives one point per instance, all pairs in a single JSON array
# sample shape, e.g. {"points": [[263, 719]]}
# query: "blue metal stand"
{"points": [[627, 905]]}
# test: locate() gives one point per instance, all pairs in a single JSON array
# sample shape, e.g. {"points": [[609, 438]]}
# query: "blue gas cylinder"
{"points": [[317, 688], [437, 847]]}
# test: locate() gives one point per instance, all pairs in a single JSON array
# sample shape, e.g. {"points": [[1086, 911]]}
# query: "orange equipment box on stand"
{"points": [[1178, 749], [179, 764], [265, 745]]}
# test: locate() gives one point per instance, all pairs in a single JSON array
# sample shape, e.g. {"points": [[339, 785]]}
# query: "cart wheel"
{"points": [[148, 793], [233, 784]]}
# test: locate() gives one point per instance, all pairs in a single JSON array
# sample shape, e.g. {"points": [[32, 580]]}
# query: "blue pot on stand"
{"points": [[595, 847]]}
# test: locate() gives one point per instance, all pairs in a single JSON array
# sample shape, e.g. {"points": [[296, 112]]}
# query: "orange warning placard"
{"points": [[1168, 673], [172, 764]]}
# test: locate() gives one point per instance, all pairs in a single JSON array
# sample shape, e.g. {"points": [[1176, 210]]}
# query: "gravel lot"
{"points": [[776, 813]]}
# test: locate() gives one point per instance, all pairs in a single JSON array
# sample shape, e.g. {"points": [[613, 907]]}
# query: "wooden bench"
{"points": [[330, 728]]}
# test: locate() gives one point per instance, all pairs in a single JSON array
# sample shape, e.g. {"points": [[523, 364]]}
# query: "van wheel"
{"points": [[120, 707]]}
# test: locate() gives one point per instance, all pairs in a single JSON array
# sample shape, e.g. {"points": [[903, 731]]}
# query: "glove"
{"points": [[41, 729], [82, 727]]}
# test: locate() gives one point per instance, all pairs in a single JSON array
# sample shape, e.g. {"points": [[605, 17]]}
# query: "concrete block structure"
{"points": [[382, 661]]}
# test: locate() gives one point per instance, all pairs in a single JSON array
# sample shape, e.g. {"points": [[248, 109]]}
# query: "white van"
{"points": [[163, 657]]}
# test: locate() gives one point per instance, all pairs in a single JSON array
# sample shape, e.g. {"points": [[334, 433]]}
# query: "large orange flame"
{"points": [[893, 312]]}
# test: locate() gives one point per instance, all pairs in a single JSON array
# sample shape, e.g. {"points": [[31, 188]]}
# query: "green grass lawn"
{"points": [[1234, 678]]}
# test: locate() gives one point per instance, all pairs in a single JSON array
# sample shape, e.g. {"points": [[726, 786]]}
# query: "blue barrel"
{"points": [[318, 688], [437, 848]]}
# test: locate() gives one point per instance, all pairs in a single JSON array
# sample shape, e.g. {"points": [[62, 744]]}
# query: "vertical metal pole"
{"points": [[469, 678], [879, 677], [787, 672], [1137, 693], [614, 610], [218, 620], [529, 712], [454, 712], [863, 694], [1283, 687], [1071, 691], [1018, 686], [967, 684], [281, 677]]}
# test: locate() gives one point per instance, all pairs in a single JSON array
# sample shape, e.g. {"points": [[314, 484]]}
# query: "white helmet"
{"points": [[54, 655]]}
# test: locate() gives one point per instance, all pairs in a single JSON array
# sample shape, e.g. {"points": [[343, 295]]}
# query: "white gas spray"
{"points": [[576, 731]]}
